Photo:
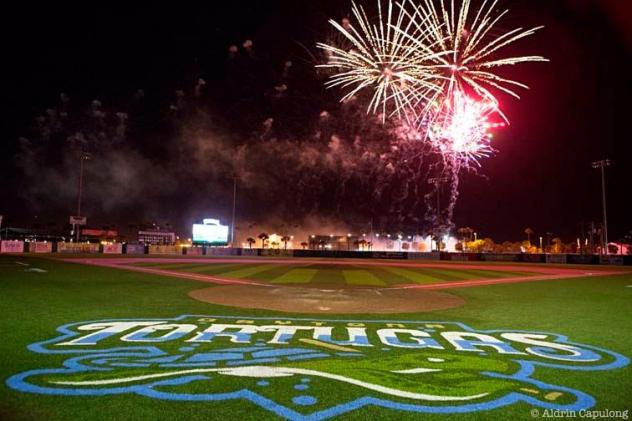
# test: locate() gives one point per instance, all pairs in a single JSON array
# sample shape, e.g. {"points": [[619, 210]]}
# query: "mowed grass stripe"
{"points": [[328, 276], [416, 276], [162, 265], [432, 275], [190, 267], [213, 269], [296, 276], [443, 275], [251, 271], [270, 273], [362, 277], [498, 273]]}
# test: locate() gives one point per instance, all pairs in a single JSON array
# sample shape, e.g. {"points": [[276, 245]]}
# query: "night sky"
{"points": [[577, 110]]}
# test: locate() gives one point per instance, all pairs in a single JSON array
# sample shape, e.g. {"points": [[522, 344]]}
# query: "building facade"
{"points": [[156, 237]]}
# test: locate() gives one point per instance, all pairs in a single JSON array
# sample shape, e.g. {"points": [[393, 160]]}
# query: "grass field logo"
{"points": [[314, 368]]}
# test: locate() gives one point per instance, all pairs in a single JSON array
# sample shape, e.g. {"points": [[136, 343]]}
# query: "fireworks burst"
{"points": [[423, 52], [379, 57], [461, 128], [433, 65], [468, 53]]}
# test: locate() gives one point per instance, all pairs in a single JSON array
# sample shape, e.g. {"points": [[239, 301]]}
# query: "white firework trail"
{"points": [[467, 51], [400, 74]]}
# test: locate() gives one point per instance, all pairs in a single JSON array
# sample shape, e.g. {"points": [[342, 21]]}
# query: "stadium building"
{"points": [[156, 237]]}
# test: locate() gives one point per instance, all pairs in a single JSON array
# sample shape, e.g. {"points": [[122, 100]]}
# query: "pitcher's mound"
{"points": [[323, 300]]}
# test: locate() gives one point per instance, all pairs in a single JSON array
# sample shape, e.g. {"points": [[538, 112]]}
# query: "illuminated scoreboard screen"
{"points": [[210, 232]]}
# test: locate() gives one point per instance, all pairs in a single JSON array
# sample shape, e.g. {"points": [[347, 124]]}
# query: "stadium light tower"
{"points": [[437, 181], [85, 156], [602, 165], [232, 224]]}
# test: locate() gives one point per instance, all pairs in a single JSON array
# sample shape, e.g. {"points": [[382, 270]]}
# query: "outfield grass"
{"points": [[341, 274], [593, 311]]}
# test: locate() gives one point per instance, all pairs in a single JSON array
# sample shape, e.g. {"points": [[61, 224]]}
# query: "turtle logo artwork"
{"points": [[289, 366]]}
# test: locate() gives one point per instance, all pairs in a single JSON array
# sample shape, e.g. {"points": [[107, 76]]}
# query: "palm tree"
{"points": [[263, 237], [529, 233], [488, 245], [437, 239], [304, 245], [285, 239], [557, 246], [250, 241]]}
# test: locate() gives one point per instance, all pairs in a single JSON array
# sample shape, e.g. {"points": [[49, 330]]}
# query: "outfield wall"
{"points": [[39, 247], [11, 246], [78, 248], [116, 248], [16, 246]]}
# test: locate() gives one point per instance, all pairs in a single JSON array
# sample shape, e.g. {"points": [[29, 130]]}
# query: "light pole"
{"points": [[602, 165], [437, 181], [84, 157], [232, 225]]}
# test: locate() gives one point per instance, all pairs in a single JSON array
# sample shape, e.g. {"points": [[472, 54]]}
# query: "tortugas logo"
{"points": [[315, 369]]}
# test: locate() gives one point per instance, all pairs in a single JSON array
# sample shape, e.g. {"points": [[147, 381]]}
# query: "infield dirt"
{"points": [[295, 299]]}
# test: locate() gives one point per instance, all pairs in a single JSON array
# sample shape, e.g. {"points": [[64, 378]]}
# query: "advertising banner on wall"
{"points": [[533, 258], [220, 251], [134, 249], [461, 257], [435, 255], [611, 259], [77, 247], [501, 257], [114, 248], [388, 255], [40, 247], [582, 259], [276, 252], [160, 249], [248, 252], [556, 258], [194, 251], [11, 246]]}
